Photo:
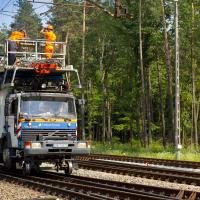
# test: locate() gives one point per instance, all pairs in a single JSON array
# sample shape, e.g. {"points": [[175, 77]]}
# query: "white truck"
{"points": [[38, 118]]}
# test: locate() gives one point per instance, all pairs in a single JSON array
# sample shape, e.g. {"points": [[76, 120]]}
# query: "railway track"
{"points": [[144, 189], [175, 163], [82, 189], [152, 172], [75, 187]]}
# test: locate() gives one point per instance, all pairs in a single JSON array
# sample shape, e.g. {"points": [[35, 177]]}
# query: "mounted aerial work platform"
{"points": [[38, 117], [29, 59]]}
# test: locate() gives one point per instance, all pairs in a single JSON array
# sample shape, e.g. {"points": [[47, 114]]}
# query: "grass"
{"points": [[155, 150]]}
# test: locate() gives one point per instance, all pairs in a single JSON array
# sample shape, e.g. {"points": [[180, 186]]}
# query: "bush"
{"points": [[155, 150]]}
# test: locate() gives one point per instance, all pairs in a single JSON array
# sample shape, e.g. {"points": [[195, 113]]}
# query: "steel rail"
{"points": [[49, 188], [103, 191], [171, 175], [78, 190], [155, 161], [187, 195]]}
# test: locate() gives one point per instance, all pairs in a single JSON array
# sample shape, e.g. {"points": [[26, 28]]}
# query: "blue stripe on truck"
{"points": [[48, 125]]}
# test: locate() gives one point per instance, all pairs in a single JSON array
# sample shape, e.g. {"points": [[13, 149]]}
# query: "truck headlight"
{"points": [[44, 85], [27, 145], [36, 145], [81, 145], [88, 144]]}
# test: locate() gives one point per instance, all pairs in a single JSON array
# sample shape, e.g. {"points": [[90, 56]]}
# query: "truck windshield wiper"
{"points": [[27, 117], [43, 116], [58, 115]]}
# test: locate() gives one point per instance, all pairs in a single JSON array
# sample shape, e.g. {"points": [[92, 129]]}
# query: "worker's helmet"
{"points": [[50, 27]]}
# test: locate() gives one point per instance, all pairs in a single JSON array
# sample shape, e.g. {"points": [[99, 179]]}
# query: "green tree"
{"points": [[3, 33], [27, 18], [112, 73]]}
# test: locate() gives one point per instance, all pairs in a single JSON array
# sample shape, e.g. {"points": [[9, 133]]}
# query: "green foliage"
{"points": [[66, 20], [115, 140], [120, 72], [155, 150], [3, 33], [112, 77], [26, 18]]}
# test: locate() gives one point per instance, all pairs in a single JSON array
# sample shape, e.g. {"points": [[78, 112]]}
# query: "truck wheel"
{"points": [[26, 169], [69, 168], [35, 168]]}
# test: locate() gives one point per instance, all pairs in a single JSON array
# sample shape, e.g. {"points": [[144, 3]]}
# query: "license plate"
{"points": [[60, 145]]}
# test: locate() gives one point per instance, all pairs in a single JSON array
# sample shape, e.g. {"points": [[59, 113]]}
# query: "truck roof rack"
{"points": [[31, 66], [31, 50]]}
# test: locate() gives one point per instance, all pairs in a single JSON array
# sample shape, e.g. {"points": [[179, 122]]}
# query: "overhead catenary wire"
{"points": [[90, 5], [7, 11], [6, 15], [2, 11], [39, 7], [5, 5], [63, 4]]}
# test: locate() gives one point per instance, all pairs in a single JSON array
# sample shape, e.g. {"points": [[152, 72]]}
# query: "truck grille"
{"points": [[50, 134]]}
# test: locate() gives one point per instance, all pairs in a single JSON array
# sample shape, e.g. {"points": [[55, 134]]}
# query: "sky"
{"points": [[8, 9]]}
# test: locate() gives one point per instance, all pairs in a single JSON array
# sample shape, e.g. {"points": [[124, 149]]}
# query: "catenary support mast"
{"points": [[83, 74], [177, 86]]}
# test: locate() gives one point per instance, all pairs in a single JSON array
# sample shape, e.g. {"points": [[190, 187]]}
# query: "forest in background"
{"points": [[129, 91]]}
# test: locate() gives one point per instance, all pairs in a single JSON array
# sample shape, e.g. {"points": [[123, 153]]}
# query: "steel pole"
{"points": [[83, 74], [177, 86]]}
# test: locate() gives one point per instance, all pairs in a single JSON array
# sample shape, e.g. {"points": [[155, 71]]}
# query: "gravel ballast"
{"points": [[132, 179], [10, 191]]}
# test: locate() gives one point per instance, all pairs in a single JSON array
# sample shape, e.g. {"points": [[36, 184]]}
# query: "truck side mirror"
{"points": [[11, 107], [7, 108]]}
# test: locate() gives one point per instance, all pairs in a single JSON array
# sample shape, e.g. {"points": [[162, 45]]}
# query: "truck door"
{"points": [[11, 112]]}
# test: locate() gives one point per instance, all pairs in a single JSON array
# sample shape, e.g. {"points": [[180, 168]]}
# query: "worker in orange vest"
{"points": [[50, 38], [13, 45]]}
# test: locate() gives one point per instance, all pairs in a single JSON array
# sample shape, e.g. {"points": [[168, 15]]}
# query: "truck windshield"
{"points": [[45, 108]]}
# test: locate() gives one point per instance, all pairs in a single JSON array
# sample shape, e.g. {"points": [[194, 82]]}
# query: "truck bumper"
{"points": [[52, 148]]}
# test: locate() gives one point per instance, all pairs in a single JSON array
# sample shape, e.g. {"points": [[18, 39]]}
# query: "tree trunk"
{"points": [[193, 63], [149, 106], [169, 100], [131, 130], [104, 115], [89, 93], [161, 104], [144, 131], [67, 47], [198, 102], [104, 91], [183, 135], [109, 132]]}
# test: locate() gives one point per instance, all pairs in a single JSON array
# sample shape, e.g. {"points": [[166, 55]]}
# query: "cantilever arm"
{"points": [[128, 15], [101, 7]]}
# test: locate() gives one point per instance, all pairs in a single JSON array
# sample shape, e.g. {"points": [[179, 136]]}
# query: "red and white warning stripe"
{"points": [[19, 128]]}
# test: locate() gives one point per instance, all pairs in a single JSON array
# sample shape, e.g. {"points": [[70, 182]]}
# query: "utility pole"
{"points": [[83, 74], [177, 86]]}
